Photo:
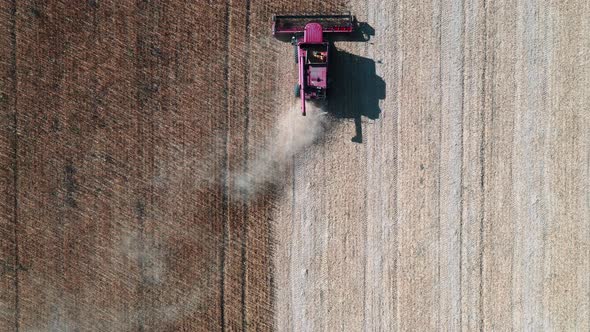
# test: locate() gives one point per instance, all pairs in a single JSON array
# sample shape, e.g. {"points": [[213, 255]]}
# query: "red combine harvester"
{"points": [[312, 51]]}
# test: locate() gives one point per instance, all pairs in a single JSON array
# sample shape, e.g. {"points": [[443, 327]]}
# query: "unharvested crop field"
{"points": [[156, 176]]}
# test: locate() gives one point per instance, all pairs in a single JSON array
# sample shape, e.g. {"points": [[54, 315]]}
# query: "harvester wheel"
{"points": [[297, 90]]}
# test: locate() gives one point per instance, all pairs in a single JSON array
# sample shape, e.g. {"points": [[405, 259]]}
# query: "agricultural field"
{"points": [[156, 174]]}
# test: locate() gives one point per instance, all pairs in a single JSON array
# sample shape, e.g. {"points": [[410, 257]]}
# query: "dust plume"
{"points": [[292, 134]]}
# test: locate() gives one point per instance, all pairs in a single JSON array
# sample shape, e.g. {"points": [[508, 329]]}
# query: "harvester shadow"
{"points": [[355, 89]]}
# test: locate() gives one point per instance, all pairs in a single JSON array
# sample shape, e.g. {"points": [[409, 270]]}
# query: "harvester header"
{"points": [[291, 24]]}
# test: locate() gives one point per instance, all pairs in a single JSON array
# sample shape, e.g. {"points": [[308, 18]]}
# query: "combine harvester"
{"points": [[309, 34]]}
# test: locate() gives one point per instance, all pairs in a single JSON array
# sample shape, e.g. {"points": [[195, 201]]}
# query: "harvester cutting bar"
{"points": [[291, 24]]}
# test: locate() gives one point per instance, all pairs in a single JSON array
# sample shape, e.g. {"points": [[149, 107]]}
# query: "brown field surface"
{"points": [[155, 174]]}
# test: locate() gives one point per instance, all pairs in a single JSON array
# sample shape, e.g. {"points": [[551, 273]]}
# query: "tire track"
{"points": [[246, 207], [482, 159], [225, 163], [13, 36]]}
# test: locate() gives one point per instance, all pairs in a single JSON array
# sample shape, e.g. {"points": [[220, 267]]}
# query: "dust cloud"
{"points": [[292, 134]]}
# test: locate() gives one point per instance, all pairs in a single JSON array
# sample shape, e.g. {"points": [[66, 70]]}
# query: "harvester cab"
{"points": [[310, 35]]}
